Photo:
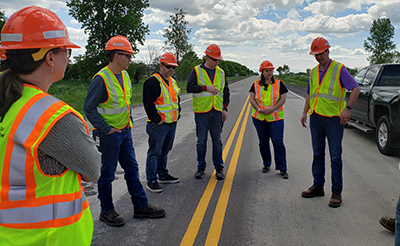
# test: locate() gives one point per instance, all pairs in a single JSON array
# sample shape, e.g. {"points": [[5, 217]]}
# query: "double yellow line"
{"points": [[219, 214]]}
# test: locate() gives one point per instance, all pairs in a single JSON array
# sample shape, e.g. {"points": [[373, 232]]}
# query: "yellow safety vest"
{"points": [[327, 98], [167, 103], [35, 208], [116, 110], [205, 101], [267, 99]]}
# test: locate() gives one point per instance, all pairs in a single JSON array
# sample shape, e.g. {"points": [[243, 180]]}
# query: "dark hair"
{"points": [[110, 54], [18, 62], [262, 79]]}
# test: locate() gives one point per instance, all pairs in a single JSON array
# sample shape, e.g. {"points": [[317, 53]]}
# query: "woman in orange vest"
{"points": [[45, 147], [267, 96]]}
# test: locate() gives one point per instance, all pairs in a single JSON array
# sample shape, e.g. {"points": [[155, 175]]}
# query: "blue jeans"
{"points": [[397, 225], [161, 139], [118, 147], [274, 131], [209, 122], [323, 128]]}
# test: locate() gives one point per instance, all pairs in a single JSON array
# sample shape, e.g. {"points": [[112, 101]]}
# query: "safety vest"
{"points": [[205, 101], [116, 110], [36, 208], [327, 98], [267, 99], [167, 103]]}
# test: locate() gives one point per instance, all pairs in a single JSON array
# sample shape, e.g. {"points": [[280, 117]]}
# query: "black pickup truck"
{"points": [[378, 106]]}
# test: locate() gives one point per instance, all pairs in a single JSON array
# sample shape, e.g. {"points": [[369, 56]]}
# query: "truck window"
{"points": [[370, 76], [390, 76], [360, 75]]}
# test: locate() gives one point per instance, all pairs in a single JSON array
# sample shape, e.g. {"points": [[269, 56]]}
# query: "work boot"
{"points": [[336, 200], [112, 218], [313, 192], [388, 223], [219, 174], [149, 212], [199, 174]]}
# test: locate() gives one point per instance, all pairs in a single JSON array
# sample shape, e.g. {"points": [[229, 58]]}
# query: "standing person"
{"points": [[210, 102], [107, 106], [267, 96], [329, 113], [161, 103], [45, 147]]}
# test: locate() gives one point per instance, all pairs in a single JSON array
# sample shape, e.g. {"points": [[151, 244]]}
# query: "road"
{"points": [[250, 207]]}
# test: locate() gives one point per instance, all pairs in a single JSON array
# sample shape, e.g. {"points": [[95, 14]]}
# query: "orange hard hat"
{"points": [[213, 51], [169, 59], [34, 27], [319, 45], [266, 65], [119, 43]]}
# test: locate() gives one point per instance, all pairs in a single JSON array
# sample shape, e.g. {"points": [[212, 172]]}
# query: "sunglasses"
{"points": [[68, 52], [212, 58], [127, 56], [320, 53], [168, 66]]}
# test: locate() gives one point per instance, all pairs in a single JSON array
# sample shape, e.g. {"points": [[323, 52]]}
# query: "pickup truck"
{"points": [[378, 106]]}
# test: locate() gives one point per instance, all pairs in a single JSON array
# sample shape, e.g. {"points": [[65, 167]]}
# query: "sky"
{"points": [[251, 31]]}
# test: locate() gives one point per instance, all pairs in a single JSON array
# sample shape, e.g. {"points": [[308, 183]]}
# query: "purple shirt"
{"points": [[346, 80]]}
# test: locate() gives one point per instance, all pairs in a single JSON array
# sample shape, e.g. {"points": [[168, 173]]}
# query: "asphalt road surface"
{"points": [[250, 207]]}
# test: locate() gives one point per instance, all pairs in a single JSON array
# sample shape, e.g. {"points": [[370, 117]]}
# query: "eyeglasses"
{"points": [[320, 53], [127, 56], [68, 52], [168, 66], [212, 58]]}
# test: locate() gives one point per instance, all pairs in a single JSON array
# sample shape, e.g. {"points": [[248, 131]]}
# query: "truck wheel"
{"points": [[384, 134]]}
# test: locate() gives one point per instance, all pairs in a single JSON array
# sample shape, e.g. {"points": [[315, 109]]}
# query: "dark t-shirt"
{"points": [[282, 89]]}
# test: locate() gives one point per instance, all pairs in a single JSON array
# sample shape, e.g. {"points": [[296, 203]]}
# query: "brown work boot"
{"points": [[336, 200], [313, 191], [112, 218], [388, 223]]}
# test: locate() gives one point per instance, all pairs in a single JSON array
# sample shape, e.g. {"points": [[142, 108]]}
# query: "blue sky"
{"points": [[251, 31]]}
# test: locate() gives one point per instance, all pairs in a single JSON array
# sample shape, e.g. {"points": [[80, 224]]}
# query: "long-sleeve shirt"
{"points": [[97, 93], [193, 87], [151, 91]]}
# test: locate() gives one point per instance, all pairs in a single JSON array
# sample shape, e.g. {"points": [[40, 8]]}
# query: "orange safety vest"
{"points": [[35, 206], [167, 103], [267, 99]]}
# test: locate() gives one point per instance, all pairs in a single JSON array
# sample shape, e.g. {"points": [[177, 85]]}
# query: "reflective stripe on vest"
{"points": [[327, 98], [268, 99], [116, 110], [29, 199], [167, 103], [205, 101]]}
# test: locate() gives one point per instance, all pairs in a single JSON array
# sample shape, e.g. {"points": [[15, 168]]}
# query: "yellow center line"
{"points": [[219, 213], [198, 215]]}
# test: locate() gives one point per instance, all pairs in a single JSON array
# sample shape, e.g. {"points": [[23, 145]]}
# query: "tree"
{"points": [[285, 70], [177, 34], [105, 19], [380, 43], [3, 19]]}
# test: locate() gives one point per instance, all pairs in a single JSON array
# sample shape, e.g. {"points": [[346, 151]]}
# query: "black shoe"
{"points": [[265, 169], [154, 187], [219, 174], [284, 174], [169, 180], [199, 174], [112, 218], [149, 212]]}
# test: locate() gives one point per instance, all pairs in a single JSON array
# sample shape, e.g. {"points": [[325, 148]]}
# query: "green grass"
{"points": [[299, 80], [74, 92]]}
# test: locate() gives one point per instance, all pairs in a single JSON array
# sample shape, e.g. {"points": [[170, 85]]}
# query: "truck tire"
{"points": [[384, 134]]}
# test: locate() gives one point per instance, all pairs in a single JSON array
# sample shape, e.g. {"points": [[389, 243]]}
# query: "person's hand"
{"points": [[113, 130], [345, 116], [160, 123], [84, 178], [303, 120], [224, 115], [212, 89]]}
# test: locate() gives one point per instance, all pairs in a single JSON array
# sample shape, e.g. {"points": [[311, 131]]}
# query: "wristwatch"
{"points": [[348, 107]]}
